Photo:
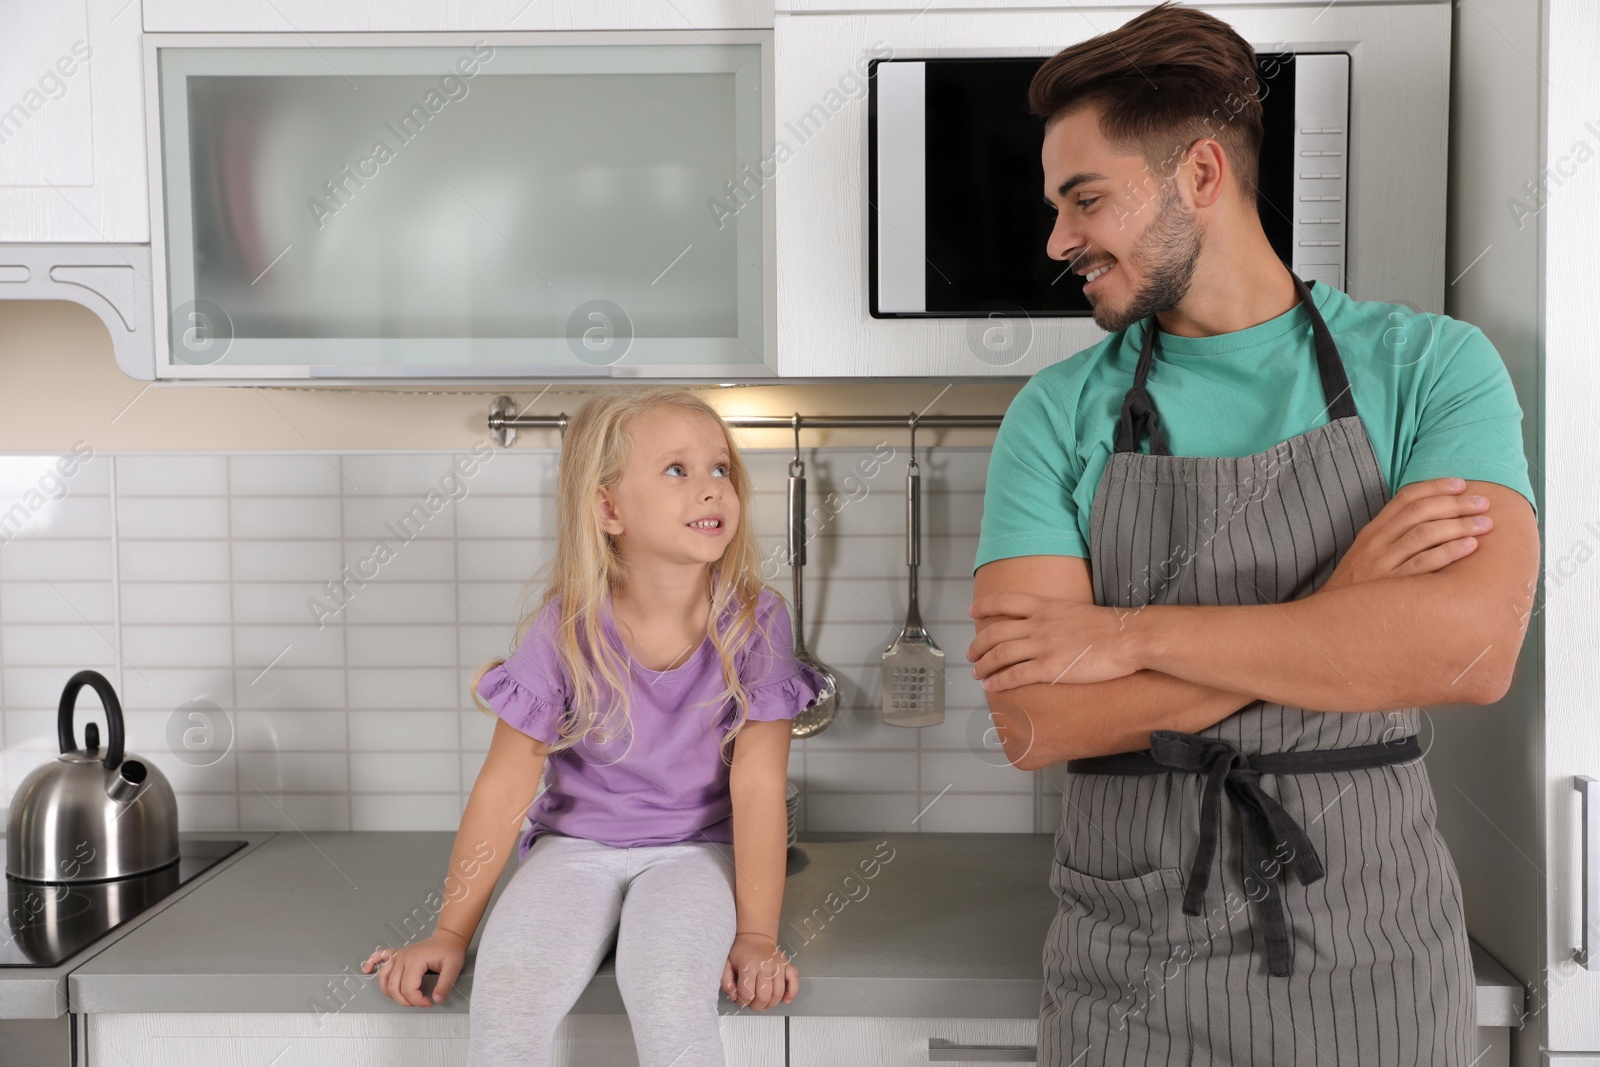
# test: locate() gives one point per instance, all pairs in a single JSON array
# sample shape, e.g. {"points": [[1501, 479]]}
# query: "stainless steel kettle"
{"points": [[91, 816]]}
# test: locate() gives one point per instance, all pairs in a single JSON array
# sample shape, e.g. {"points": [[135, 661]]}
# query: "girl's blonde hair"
{"points": [[587, 567]]}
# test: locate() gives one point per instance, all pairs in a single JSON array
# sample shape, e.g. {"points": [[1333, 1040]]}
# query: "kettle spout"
{"points": [[126, 780]]}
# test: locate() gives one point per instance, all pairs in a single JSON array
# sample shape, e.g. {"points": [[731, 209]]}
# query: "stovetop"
{"points": [[46, 923]]}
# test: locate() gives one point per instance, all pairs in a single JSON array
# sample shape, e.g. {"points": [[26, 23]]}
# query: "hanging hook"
{"points": [[796, 467], [911, 466]]}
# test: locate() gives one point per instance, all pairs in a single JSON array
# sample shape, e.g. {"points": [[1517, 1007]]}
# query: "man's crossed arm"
{"points": [[1067, 678]]}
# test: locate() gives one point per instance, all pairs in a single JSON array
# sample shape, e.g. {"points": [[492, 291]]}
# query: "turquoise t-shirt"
{"points": [[1431, 390]]}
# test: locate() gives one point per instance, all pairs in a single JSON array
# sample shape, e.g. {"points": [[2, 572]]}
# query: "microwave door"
{"points": [[897, 188], [958, 222]]}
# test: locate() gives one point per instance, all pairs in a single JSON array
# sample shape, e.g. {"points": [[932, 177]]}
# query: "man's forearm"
{"points": [[1042, 724], [1387, 643]]}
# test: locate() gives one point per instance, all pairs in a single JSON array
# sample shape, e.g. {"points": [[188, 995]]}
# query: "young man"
{"points": [[1227, 555]]}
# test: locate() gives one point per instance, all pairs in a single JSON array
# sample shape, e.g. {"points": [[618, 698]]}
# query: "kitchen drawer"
{"points": [[424, 1038], [882, 1042]]}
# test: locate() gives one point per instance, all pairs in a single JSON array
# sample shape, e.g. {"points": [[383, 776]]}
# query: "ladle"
{"points": [[814, 719]]}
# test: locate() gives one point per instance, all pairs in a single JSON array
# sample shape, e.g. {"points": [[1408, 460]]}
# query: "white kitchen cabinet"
{"points": [[420, 1038], [424, 1039], [72, 165], [429, 205], [311, 16], [884, 1042]]}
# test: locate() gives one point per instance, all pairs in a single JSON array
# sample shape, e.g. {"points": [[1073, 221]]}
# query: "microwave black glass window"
{"points": [[957, 224]]}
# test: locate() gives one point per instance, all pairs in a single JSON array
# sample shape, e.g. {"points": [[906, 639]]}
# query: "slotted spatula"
{"points": [[913, 666]]}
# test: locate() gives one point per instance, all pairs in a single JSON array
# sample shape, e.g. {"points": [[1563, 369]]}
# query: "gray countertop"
{"points": [[878, 924]]}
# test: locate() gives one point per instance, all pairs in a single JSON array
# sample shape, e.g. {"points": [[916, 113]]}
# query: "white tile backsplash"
{"points": [[260, 809], [388, 730], [310, 517], [286, 602], [173, 561], [171, 518], [297, 772], [480, 516], [71, 516], [306, 476], [250, 581], [202, 811], [63, 560], [177, 646], [175, 602], [161, 689], [976, 812], [279, 687], [296, 645], [28, 602], [291, 730], [55, 644], [286, 561], [43, 474], [396, 518], [172, 475], [415, 602]]}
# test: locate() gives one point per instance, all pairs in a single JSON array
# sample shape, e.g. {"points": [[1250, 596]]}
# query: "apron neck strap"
{"points": [[1139, 413]]}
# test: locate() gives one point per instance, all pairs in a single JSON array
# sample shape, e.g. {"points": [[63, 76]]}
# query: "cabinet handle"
{"points": [[1587, 953], [941, 1050]]}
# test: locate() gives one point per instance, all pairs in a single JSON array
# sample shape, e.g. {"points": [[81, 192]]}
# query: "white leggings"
{"points": [[669, 909]]}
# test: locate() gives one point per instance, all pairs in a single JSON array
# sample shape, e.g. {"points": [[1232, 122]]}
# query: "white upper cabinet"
{"points": [[667, 189], [72, 165], [318, 16], [441, 205]]}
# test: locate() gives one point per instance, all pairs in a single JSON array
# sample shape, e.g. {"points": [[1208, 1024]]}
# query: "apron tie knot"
{"points": [[1138, 418], [1267, 829]]}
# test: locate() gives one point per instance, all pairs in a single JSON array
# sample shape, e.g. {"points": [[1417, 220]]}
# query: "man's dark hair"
{"points": [[1160, 81]]}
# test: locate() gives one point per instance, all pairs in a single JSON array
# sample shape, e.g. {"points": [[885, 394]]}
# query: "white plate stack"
{"points": [[791, 799]]}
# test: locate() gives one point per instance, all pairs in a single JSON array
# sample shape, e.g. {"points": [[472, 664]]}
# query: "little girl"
{"points": [[658, 677]]}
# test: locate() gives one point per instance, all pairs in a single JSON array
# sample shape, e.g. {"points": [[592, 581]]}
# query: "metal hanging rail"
{"points": [[504, 422]]}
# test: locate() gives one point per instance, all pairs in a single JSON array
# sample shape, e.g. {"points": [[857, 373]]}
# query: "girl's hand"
{"points": [[400, 971], [758, 974]]}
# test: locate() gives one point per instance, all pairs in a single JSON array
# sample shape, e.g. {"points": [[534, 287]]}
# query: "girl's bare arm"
{"points": [[760, 825], [505, 787]]}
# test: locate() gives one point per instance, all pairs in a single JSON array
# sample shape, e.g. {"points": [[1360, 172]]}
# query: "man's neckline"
{"points": [[1296, 318]]}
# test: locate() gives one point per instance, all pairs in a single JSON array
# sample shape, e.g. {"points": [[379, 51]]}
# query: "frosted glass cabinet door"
{"points": [[567, 204]]}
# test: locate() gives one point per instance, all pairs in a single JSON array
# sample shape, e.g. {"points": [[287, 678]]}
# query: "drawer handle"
{"points": [[941, 1050], [1587, 954]]}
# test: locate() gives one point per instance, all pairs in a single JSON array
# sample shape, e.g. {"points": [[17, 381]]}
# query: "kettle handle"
{"points": [[108, 698]]}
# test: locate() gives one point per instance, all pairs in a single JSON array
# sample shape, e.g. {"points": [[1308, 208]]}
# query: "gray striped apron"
{"points": [[1349, 947]]}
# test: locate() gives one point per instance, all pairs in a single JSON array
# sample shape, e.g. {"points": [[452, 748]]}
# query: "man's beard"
{"points": [[1168, 250]]}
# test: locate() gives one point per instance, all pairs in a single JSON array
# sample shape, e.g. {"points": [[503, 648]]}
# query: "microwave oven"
{"points": [[957, 222]]}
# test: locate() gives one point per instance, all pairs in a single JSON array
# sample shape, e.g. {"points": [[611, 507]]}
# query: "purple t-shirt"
{"points": [[672, 784]]}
